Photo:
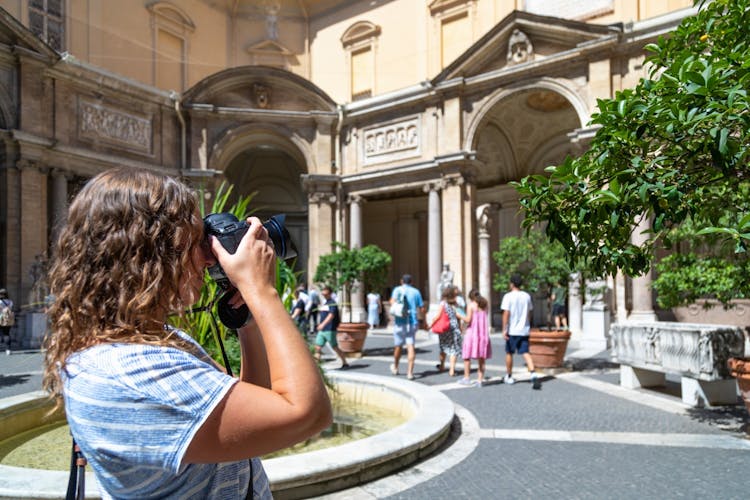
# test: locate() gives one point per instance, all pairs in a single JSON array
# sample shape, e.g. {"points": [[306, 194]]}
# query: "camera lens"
{"points": [[282, 242]]}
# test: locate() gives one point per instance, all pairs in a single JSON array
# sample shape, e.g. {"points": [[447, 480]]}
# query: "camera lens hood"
{"points": [[232, 317]]}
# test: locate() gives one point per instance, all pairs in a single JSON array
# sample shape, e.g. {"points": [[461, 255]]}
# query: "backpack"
{"points": [[7, 316], [400, 308]]}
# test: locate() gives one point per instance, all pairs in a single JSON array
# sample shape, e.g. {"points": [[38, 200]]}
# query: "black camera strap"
{"points": [[215, 327], [77, 478]]}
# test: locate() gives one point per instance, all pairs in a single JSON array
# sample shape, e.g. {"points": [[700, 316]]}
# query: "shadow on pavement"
{"points": [[11, 380], [729, 418]]}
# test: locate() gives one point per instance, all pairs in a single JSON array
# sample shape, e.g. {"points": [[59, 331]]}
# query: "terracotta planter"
{"points": [[740, 369], [351, 338], [547, 347]]}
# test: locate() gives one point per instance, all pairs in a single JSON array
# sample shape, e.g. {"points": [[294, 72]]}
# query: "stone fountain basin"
{"points": [[429, 412]]}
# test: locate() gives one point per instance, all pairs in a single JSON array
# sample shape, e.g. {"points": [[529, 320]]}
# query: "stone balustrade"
{"points": [[647, 351]]}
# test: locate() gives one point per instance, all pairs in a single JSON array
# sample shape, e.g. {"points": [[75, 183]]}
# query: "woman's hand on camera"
{"points": [[252, 268]]}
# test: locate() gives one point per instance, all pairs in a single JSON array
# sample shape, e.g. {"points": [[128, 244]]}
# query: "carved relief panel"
{"points": [[115, 127], [392, 141]]}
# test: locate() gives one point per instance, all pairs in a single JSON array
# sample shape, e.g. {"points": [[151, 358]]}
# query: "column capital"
{"points": [[60, 172], [319, 198], [355, 198], [28, 164], [436, 185]]}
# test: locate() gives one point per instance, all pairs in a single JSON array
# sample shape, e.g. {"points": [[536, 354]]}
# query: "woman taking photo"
{"points": [[152, 413]]}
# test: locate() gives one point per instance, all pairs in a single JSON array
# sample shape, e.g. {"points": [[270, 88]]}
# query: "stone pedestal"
{"points": [[35, 327], [595, 334]]}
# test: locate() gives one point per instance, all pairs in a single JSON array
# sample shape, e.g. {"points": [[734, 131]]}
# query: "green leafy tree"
{"points": [[350, 268], [674, 149], [541, 262]]}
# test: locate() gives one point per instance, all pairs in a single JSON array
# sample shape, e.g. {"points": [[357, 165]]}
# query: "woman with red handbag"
{"points": [[447, 327]]}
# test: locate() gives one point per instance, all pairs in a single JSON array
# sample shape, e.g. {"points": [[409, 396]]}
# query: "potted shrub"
{"points": [[542, 264], [348, 270]]}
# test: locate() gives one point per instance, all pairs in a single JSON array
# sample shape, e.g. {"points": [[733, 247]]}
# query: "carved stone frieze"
{"points": [[392, 141], [693, 350], [115, 126]]}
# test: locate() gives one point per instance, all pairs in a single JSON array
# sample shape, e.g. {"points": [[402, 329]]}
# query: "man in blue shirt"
{"points": [[405, 327]]}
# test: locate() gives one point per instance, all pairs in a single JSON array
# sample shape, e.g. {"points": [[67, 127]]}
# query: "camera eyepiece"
{"points": [[229, 231]]}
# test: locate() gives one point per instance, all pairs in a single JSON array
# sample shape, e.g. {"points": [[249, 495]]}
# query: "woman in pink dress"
{"points": [[476, 339]]}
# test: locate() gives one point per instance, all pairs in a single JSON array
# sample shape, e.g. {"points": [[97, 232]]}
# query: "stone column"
{"points": [[358, 312], [458, 218], [643, 308], [620, 298], [59, 201], [575, 306], [435, 240], [320, 216], [483, 235]]}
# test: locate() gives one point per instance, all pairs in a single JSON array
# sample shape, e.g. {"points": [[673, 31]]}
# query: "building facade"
{"points": [[394, 122]]}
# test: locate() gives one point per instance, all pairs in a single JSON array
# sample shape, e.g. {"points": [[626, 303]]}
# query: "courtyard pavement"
{"points": [[579, 436]]}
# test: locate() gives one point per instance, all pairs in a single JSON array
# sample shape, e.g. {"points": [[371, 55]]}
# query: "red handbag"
{"points": [[442, 324]]}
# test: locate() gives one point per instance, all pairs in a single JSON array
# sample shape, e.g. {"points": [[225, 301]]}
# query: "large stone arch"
{"points": [[518, 130], [264, 128], [563, 87], [222, 88]]}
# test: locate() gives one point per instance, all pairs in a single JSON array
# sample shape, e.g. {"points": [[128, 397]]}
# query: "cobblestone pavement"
{"points": [[580, 436]]}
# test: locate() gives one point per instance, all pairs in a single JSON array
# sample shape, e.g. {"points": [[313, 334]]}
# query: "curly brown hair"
{"points": [[118, 265]]}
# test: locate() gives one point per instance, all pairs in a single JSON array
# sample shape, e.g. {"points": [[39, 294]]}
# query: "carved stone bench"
{"points": [[697, 352]]}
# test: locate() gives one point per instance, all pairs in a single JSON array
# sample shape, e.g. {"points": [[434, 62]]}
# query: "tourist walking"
{"points": [[517, 309], [559, 300], [374, 308], [7, 319], [298, 311], [409, 300], [449, 342], [153, 414], [476, 343], [328, 321]]}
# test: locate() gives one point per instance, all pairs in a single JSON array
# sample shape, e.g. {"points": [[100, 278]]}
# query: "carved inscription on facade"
{"points": [[392, 141], [114, 126]]}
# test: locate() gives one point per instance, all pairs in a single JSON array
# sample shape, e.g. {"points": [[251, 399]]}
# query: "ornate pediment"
{"points": [[359, 32], [269, 47], [522, 38], [14, 34]]}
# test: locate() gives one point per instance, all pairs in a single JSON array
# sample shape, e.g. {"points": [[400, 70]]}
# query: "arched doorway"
{"points": [[519, 132], [272, 177]]}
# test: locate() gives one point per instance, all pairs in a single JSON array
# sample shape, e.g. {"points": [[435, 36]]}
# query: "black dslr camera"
{"points": [[229, 231]]}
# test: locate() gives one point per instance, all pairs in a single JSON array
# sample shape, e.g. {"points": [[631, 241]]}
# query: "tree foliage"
{"points": [[349, 268], [540, 262], [673, 149]]}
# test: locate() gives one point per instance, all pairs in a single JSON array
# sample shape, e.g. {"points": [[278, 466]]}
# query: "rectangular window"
{"points": [[455, 38], [47, 21], [169, 61], [362, 73]]}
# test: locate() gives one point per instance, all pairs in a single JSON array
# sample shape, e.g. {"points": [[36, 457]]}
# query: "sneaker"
{"points": [[465, 381], [480, 383], [507, 379], [536, 384], [410, 376], [7, 352], [394, 370], [344, 366]]}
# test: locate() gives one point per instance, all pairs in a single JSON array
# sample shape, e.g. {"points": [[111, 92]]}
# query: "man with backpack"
{"points": [[406, 302], [328, 322]]}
